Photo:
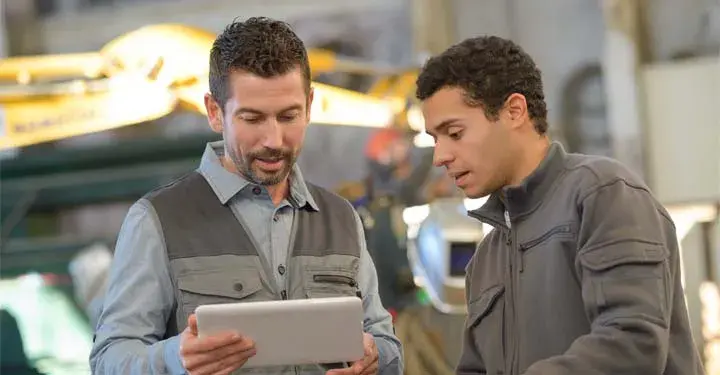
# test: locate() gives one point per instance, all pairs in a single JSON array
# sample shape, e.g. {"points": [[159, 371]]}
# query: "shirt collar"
{"points": [[226, 184]]}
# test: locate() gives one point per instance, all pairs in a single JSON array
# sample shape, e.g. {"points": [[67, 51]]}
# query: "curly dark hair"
{"points": [[489, 69], [259, 45]]}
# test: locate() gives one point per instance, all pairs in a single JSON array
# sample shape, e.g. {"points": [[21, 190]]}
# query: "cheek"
{"points": [[242, 138], [294, 136]]}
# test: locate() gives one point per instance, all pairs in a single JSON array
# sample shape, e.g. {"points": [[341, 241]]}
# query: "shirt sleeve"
{"points": [[138, 303], [378, 321]]}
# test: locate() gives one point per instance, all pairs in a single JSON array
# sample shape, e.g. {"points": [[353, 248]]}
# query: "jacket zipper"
{"points": [[510, 353], [530, 244]]}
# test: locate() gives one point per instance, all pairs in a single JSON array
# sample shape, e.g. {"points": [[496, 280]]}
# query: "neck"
{"points": [[530, 159], [277, 192]]}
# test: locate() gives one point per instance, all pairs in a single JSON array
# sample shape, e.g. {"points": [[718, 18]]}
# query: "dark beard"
{"points": [[245, 165]]}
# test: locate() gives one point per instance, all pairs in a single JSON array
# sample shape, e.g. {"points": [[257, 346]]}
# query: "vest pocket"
{"points": [[218, 287], [323, 282], [486, 326]]}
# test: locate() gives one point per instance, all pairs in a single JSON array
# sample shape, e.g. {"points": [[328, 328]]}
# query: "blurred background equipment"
{"points": [[12, 350], [395, 180], [89, 270]]}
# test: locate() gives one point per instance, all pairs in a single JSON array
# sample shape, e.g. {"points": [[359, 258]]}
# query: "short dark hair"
{"points": [[489, 69], [259, 45]]}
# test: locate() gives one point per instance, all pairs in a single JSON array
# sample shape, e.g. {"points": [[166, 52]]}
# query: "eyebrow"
{"points": [[443, 125], [241, 110]]}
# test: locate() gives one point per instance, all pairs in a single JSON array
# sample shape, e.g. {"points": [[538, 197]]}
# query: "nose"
{"points": [[273, 136], [441, 156]]}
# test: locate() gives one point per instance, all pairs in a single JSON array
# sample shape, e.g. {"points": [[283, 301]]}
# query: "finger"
{"points": [[370, 366], [210, 343], [359, 366], [228, 370], [232, 362], [192, 324], [371, 370], [342, 371], [198, 360], [370, 359]]}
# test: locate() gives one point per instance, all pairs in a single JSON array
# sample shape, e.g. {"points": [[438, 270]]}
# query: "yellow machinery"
{"points": [[147, 73]]}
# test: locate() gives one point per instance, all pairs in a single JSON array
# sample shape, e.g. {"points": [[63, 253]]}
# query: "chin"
{"points": [[474, 192], [266, 178]]}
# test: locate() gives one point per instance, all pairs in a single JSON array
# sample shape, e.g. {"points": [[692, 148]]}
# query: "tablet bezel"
{"points": [[291, 332]]}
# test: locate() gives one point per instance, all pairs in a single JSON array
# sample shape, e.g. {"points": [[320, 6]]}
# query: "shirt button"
{"points": [[275, 218], [281, 269], [256, 190], [238, 287]]}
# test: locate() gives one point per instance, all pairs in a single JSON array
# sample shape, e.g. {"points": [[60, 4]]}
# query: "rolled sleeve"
{"points": [[378, 322], [138, 303]]}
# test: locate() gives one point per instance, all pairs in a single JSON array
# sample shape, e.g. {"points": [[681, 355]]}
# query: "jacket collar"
{"points": [[521, 200]]}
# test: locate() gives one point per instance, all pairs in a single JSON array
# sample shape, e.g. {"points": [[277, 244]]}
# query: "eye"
{"points": [[455, 135], [288, 117], [253, 120]]}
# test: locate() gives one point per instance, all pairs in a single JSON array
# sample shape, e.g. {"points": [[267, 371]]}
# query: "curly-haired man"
{"points": [[581, 274]]}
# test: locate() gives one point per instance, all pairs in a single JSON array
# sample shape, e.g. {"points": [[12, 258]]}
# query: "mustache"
{"points": [[271, 154]]}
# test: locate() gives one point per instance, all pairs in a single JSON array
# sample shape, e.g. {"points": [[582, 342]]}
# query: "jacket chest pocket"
{"points": [[486, 324], [322, 282], [557, 243], [221, 286]]}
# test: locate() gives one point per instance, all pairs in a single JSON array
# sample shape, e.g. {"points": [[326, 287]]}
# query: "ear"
{"points": [[311, 97], [516, 110], [214, 113]]}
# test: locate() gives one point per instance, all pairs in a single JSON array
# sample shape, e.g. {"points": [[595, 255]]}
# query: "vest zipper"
{"points": [[335, 279]]}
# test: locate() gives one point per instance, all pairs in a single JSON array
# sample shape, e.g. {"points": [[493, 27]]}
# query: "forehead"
{"points": [[250, 90], [446, 105]]}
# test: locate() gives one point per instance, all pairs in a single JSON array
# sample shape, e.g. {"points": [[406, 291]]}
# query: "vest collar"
{"points": [[522, 199]]}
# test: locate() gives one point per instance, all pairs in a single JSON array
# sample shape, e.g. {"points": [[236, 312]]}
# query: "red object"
{"points": [[51, 279], [380, 142], [393, 314]]}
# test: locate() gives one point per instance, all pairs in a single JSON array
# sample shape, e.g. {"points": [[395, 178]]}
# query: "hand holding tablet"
{"points": [[292, 332], [222, 352]]}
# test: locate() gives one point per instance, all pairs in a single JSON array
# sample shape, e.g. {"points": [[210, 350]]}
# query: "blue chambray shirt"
{"points": [[140, 295]]}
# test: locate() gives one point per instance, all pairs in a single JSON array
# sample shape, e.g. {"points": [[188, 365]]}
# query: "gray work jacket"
{"points": [[581, 275]]}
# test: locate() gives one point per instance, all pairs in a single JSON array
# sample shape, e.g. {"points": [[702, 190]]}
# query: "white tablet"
{"points": [[291, 332]]}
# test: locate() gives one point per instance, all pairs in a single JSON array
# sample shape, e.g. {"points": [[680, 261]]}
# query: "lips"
{"points": [[460, 178], [270, 164]]}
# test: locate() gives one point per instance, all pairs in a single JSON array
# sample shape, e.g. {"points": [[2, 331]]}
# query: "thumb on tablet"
{"points": [[192, 324]]}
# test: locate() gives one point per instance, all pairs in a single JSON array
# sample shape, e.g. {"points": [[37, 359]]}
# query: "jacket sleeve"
{"points": [[138, 303], [627, 262], [378, 321]]}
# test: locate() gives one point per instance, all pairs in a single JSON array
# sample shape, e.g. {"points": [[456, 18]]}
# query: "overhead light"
{"points": [[415, 119], [423, 140], [336, 106]]}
